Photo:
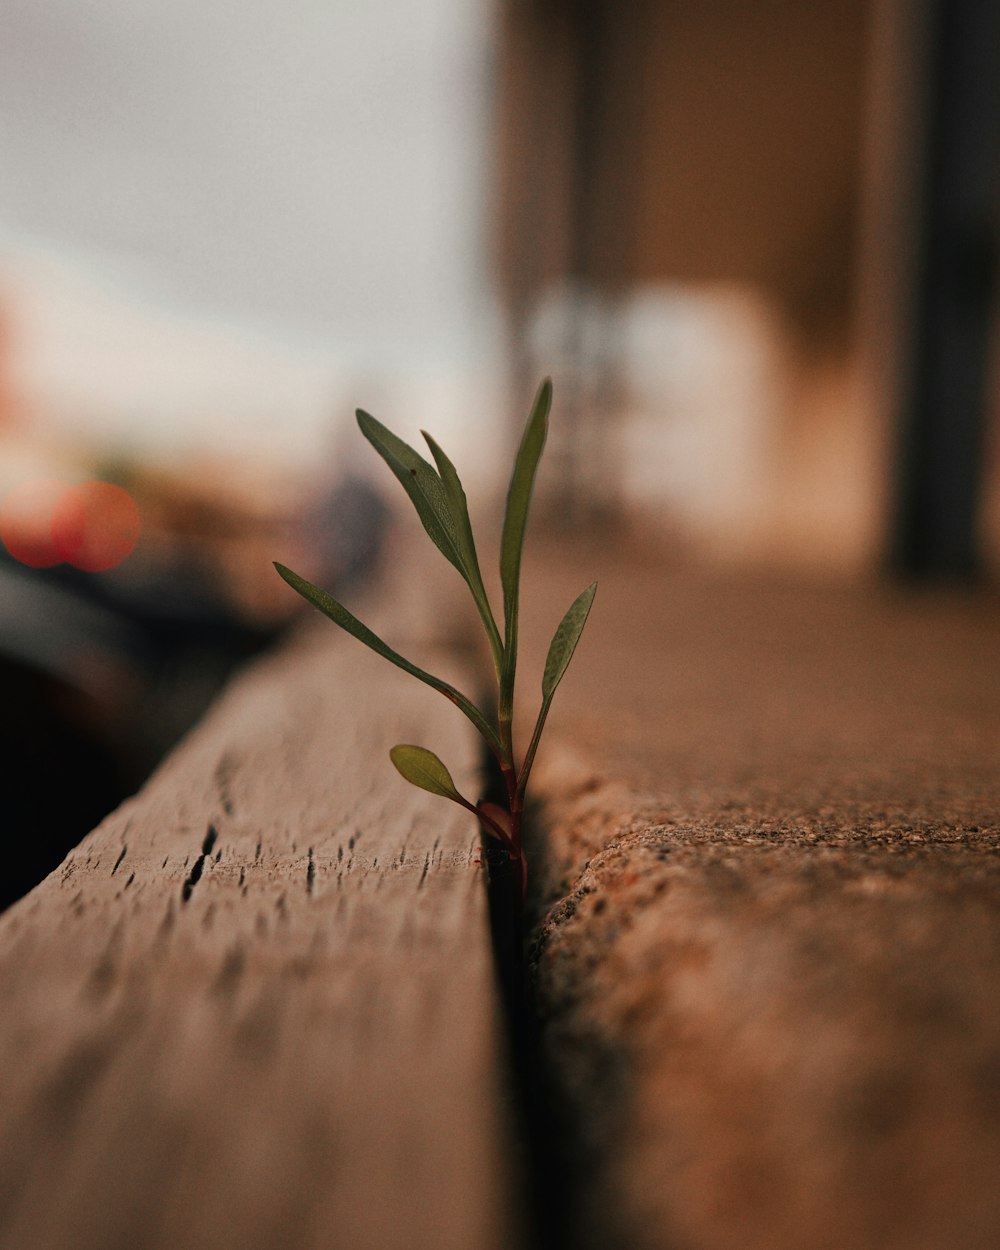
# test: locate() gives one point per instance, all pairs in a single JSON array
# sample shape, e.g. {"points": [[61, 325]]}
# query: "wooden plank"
{"points": [[255, 1008]]}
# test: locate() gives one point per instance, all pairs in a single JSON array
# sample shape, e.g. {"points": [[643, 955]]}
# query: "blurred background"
{"points": [[754, 245]]}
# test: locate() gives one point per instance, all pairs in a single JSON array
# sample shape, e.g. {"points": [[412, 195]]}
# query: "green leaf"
{"points": [[458, 504], [422, 483], [422, 768], [350, 623], [560, 653], [514, 524], [565, 639], [467, 544]]}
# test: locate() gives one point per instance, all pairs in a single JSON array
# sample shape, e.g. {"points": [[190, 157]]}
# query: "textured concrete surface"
{"points": [[768, 956]]}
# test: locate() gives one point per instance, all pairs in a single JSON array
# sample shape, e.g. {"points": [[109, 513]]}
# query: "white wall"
{"points": [[305, 169]]}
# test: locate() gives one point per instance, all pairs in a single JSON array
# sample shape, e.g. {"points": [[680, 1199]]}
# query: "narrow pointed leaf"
{"points": [[422, 483], [459, 504], [565, 639], [519, 492], [561, 650], [466, 543], [515, 522], [350, 623], [422, 768]]}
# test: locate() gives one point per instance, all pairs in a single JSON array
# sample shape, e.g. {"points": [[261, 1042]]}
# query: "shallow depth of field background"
{"points": [[224, 226]]}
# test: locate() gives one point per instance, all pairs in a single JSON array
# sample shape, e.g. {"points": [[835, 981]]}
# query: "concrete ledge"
{"points": [[772, 1045], [768, 953]]}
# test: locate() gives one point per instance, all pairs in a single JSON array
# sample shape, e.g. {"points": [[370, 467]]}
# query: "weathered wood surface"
{"points": [[768, 965], [255, 1008]]}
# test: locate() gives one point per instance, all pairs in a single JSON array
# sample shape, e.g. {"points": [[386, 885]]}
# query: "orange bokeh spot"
{"points": [[26, 517], [95, 526]]}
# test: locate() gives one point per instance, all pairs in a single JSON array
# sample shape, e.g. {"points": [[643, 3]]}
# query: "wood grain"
{"points": [[255, 1008]]}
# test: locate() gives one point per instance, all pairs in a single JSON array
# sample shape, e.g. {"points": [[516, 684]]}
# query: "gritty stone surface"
{"points": [[768, 952]]}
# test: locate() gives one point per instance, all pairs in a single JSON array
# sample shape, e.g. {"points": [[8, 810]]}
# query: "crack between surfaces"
{"points": [[545, 1172]]}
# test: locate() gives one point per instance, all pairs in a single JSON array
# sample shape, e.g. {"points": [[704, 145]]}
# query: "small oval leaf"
{"points": [[422, 768], [565, 639]]}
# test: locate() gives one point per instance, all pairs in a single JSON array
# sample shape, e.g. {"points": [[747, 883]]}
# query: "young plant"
{"points": [[439, 498]]}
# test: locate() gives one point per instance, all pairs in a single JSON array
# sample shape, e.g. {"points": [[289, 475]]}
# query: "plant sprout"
{"points": [[439, 499]]}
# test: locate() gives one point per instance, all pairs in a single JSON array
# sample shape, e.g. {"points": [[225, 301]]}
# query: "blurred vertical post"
{"points": [[572, 153], [943, 395]]}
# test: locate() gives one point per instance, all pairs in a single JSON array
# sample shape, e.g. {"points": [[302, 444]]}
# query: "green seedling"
{"points": [[439, 499]]}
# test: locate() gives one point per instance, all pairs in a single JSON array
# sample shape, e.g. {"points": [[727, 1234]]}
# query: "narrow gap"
{"points": [[540, 1123]]}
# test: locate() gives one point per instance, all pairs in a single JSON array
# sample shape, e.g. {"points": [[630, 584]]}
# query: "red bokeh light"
{"points": [[95, 526], [92, 526], [26, 522]]}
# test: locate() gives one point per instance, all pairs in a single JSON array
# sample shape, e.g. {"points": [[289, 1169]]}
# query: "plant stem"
{"points": [[517, 855], [515, 803]]}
